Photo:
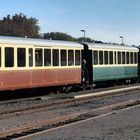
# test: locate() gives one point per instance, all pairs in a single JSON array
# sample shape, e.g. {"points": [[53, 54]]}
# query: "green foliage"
{"points": [[87, 39], [66, 37], [59, 36], [19, 25]]}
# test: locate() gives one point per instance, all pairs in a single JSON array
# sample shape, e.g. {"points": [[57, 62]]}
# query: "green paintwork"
{"points": [[113, 73]]}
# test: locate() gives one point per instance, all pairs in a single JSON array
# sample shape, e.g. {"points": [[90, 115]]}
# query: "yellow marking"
{"points": [[15, 46], [117, 65]]}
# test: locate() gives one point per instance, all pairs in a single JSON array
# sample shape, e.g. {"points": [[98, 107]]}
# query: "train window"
{"points": [[70, 57], [100, 57], [0, 57], [127, 57], [55, 57], [115, 56], [135, 57], [131, 57], [9, 57], [111, 57], [77, 57], [95, 56], [123, 57], [106, 57], [119, 57], [21, 57], [47, 57], [38, 57], [63, 58], [30, 57]]}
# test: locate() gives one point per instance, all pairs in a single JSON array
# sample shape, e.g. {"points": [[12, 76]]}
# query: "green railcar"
{"points": [[106, 62]]}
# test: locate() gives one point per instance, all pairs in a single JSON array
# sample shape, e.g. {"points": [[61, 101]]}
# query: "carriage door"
{"points": [[87, 56]]}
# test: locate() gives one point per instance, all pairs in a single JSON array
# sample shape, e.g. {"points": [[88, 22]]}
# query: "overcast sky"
{"points": [[103, 20]]}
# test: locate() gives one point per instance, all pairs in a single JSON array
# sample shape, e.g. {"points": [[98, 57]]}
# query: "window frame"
{"points": [[71, 57], [106, 57], [31, 57], [63, 60], [77, 58], [12, 60], [101, 57], [57, 63], [49, 61], [131, 58], [123, 57], [19, 64], [127, 57], [111, 61], [119, 57], [135, 58], [39, 63]]}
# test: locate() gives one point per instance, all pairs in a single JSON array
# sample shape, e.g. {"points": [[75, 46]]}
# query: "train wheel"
{"points": [[57, 90], [67, 88], [64, 89]]}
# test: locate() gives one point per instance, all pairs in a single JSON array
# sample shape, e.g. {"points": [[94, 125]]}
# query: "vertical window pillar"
{"points": [[2, 57], [43, 57], [15, 57], [27, 57], [33, 57]]}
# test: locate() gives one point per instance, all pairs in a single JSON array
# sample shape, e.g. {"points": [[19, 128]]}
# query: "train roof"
{"points": [[110, 46], [38, 42]]}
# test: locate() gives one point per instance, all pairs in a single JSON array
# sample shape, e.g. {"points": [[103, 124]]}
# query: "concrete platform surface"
{"points": [[121, 125]]}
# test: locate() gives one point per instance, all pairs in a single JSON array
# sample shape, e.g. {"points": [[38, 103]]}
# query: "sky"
{"points": [[104, 20]]}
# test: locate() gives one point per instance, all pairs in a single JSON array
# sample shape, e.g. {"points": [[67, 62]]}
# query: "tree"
{"points": [[19, 25], [87, 39], [59, 36]]}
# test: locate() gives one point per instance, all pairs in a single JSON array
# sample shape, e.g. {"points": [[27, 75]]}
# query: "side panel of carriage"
{"points": [[114, 64], [111, 62], [41, 65], [114, 73]]}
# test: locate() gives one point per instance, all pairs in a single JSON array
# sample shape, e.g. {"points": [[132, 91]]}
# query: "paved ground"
{"points": [[122, 125]]}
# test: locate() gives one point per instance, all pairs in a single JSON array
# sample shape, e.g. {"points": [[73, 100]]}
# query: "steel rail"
{"points": [[63, 118], [69, 101]]}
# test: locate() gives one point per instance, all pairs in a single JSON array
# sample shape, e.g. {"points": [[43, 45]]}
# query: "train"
{"points": [[32, 63]]}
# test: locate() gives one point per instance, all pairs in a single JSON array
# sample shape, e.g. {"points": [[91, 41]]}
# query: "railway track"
{"points": [[65, 131], [101, 103], [33, 103], [66, 119]]}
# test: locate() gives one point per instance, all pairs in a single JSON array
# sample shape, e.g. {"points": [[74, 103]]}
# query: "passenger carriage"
{"points": [[31, 63], [28, 63], [114, 63]]}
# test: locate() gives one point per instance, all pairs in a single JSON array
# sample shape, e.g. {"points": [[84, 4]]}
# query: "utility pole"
{"points": [[122, 39], [84, 35]]}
